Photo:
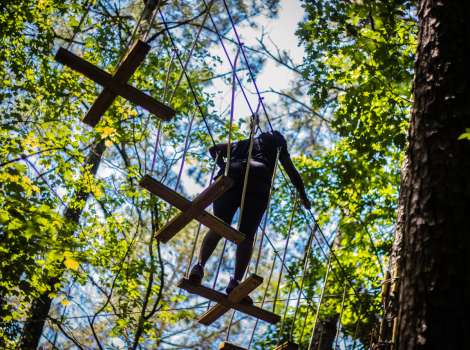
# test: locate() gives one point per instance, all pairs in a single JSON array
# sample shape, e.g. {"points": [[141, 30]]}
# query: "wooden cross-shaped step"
{"points": [[193, 210], [232, 301], [287, 346], [115, 84]]}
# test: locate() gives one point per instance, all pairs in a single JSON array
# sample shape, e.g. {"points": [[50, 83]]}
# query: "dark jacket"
{"points": [[265, 148]]}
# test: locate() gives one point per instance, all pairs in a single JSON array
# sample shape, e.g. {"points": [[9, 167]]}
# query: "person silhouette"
{"points": [[262, 164]]}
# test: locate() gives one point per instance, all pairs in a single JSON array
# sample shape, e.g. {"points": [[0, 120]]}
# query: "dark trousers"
{"points": [[225, 208]]}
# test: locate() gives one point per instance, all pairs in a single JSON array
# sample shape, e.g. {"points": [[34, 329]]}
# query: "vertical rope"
{"points": [[268, 211], [294, 209], [200, 225], [321, 300], [232, 110], [242, 202], [338, 328], [157, 142], [185, 151], [88, 5], [191, 50], [219, 36], [285, 314], [263, 299], [305, 261], [252, 76], [193, 91]]}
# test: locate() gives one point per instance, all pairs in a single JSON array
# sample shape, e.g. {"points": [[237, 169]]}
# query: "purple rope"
{"points": [[247, 64], [157, 141], [232, 109], [229, 60]]}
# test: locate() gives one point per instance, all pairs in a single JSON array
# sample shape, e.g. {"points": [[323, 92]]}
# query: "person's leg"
{"points": [[224, 208], [255, 206]]}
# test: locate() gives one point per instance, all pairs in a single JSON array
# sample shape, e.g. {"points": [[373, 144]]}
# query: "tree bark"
{"points": [[434, 269], [40, 307], [325, 333]]}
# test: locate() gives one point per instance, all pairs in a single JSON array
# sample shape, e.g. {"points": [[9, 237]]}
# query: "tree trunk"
{"points": [[325, 333], [41, 305], [434, 269]]}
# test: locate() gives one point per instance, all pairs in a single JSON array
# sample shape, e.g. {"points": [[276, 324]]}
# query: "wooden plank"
{"points": [[235, 296], [229, 346], [125, 70], [222, 298], [183, 204], [208, 196], [287, 346], [123, 89]]}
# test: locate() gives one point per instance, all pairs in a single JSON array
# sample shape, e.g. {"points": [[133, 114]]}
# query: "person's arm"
{"points": [[294, 177], [218, 152]]}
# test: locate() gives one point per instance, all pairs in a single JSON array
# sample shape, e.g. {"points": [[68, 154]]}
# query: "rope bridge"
{"points": [[116, 84]]}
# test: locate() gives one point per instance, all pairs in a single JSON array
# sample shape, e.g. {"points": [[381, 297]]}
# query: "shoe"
{"points": [[196, 274], [231, 286]]}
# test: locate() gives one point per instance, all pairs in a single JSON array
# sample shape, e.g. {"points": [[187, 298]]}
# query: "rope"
{"points": [[154, 14], [285, 314], [294, 209], [89, 3], [157, 141], [232, 110], [191, 50], [185, 152], [306, 261], [263, 300], [193, 92], [199, 225], [106, 315], [268, 210], [321, 301], [247, 64], [340, 318], [242, 203], [216, 30]]}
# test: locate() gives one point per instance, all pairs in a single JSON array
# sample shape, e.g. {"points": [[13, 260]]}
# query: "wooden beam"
{"points": [[129, 65], [123, 89], [229, 346], [208, 196], [183, 204], [287, 346], [235, 296], [222, 298]]}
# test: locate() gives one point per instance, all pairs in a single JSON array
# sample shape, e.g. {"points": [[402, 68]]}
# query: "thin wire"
{"points": [[193, 92]]}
